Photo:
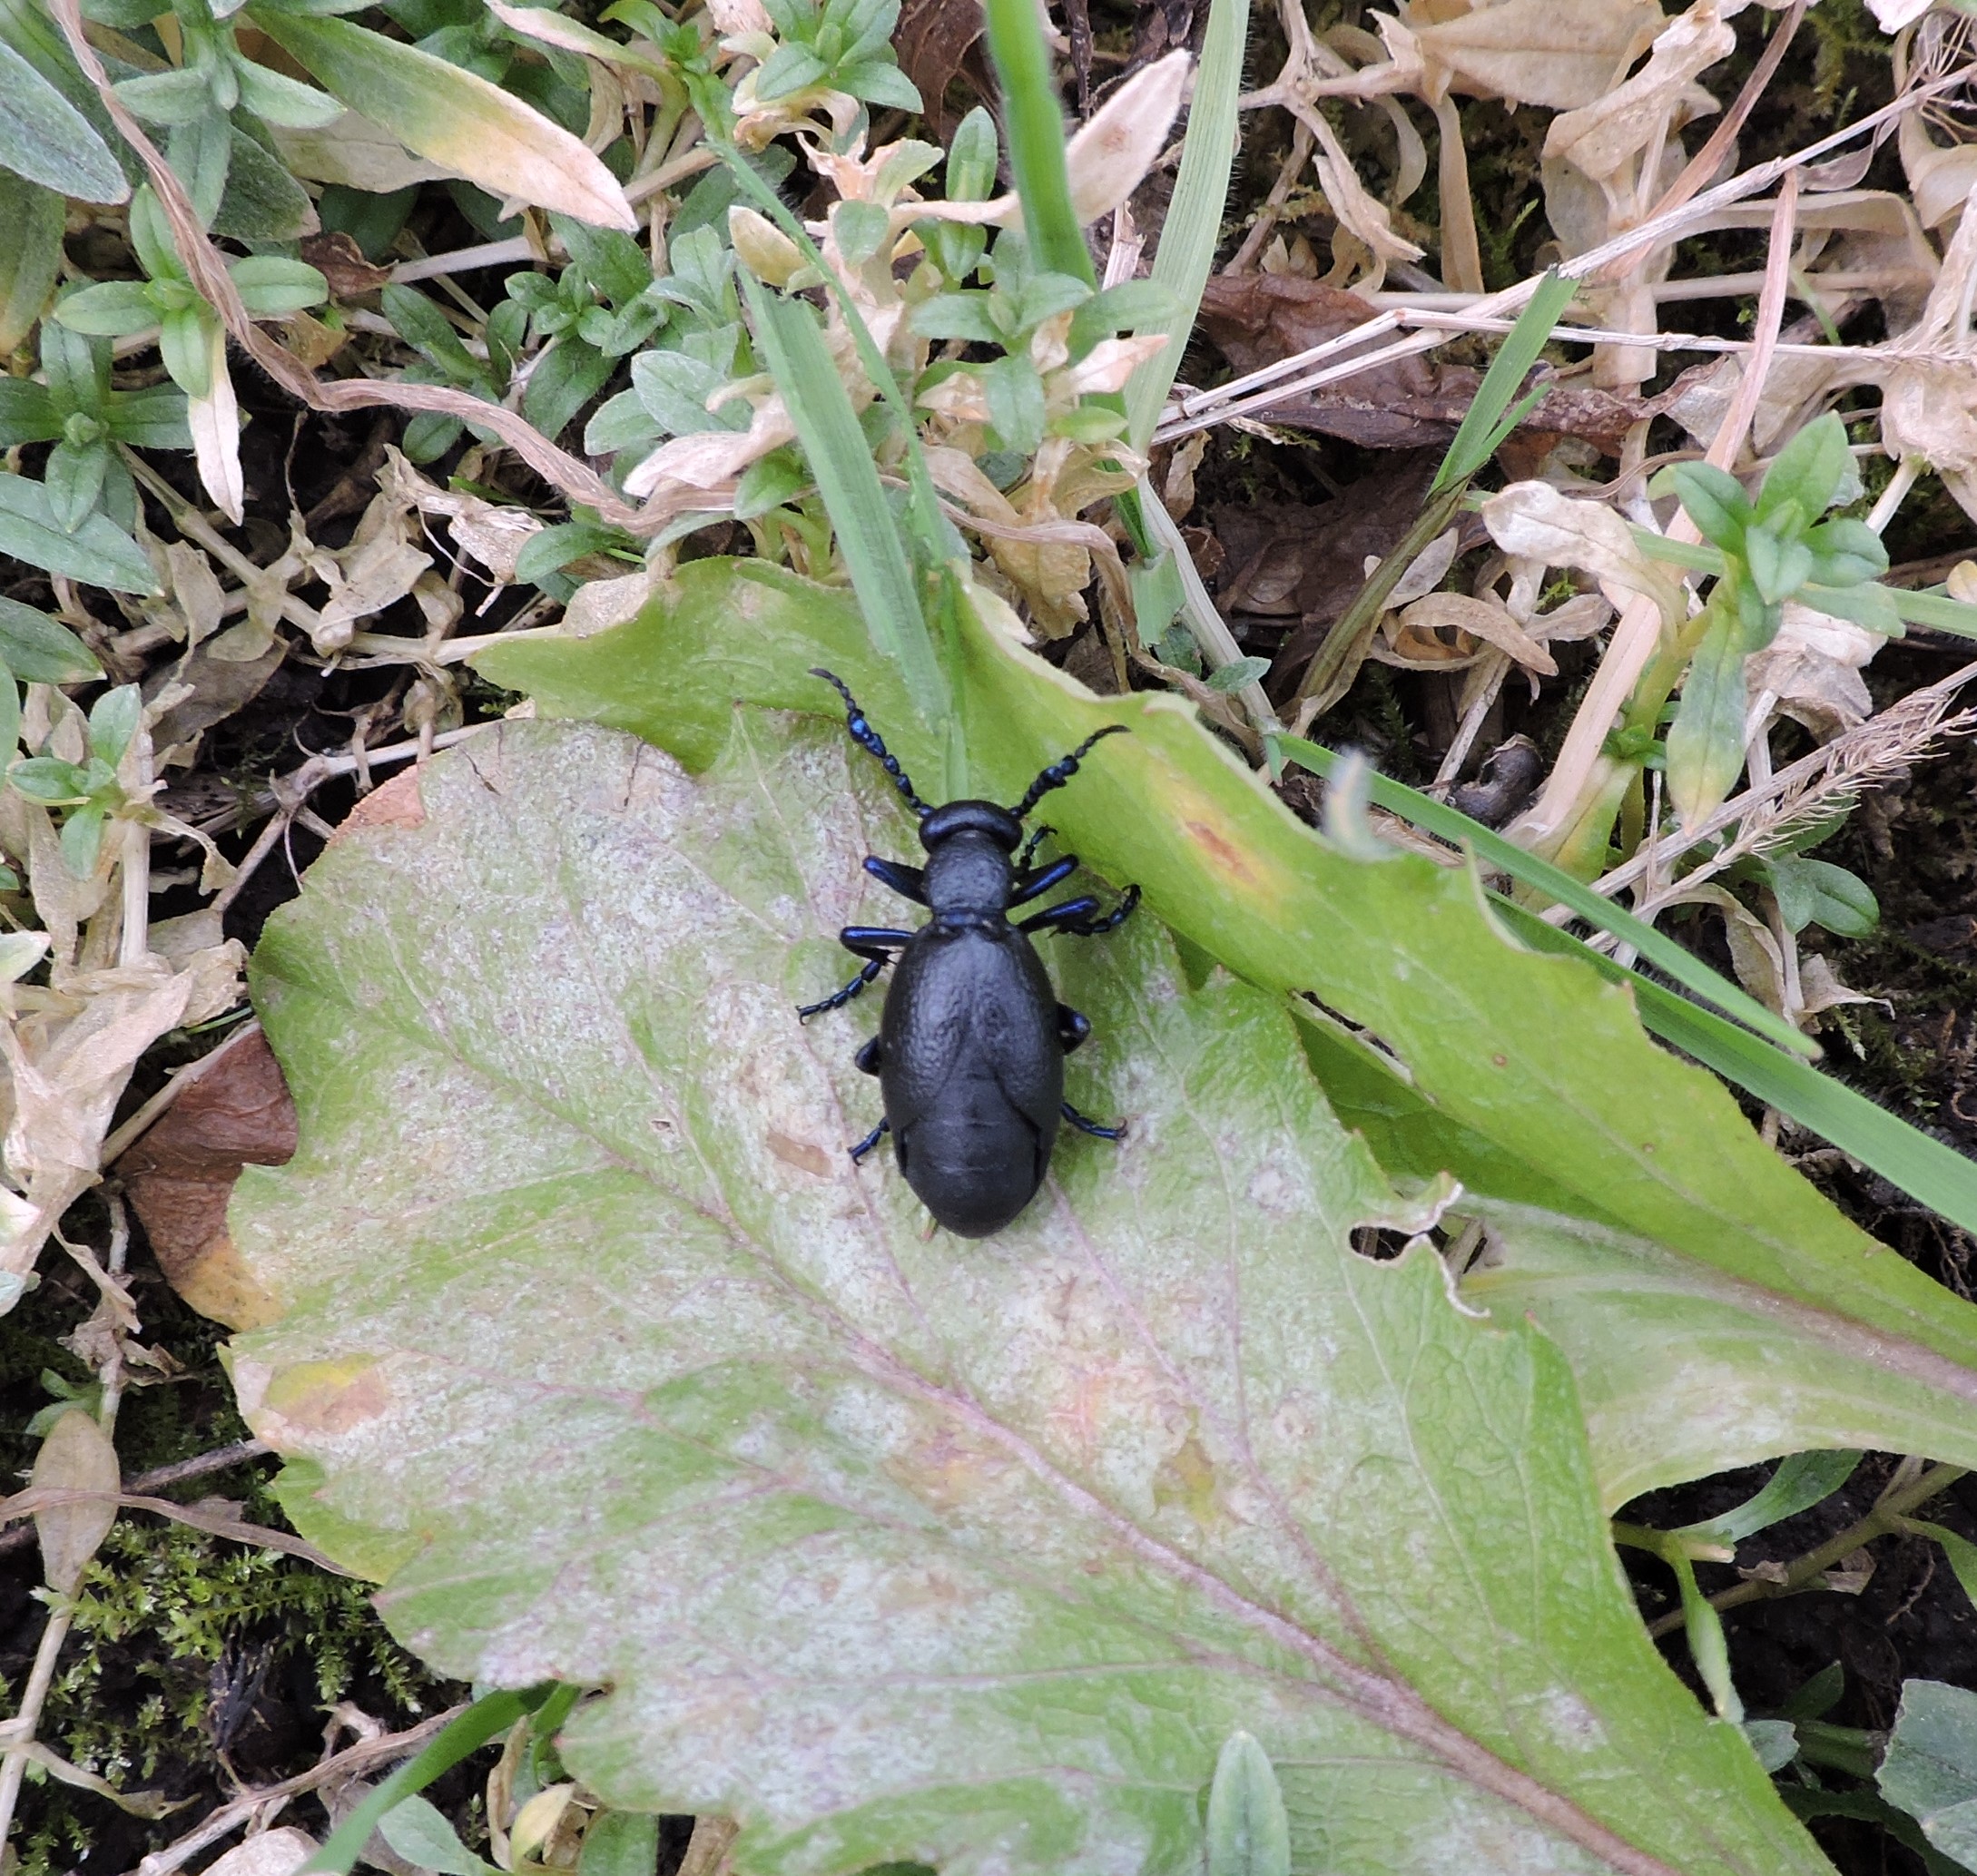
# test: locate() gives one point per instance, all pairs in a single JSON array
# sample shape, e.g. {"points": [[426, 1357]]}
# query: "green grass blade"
{"points": [[1490, 418], [1923, 1166], [1187, 237], [489, 1717], [841, 458], [1505, 856], [1034, 120]]}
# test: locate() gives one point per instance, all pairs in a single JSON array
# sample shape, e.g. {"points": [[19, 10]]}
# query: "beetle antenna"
{"points": [[867, 739], [1061, 771]]}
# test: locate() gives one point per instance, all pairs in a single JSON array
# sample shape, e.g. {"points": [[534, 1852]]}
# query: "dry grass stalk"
{"points": [[1812, 789]]}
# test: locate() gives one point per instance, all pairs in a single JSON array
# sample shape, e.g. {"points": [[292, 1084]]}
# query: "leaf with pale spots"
{"points": [[888, 1544]]}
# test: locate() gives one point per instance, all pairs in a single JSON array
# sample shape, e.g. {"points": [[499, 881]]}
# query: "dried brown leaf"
{"points": [[341, 263], [76, 1456], [1811, 671], [1257, 319], [938, 41], [180, 1176]]}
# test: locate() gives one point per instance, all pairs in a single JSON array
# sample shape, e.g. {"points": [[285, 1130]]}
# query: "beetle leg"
{"points": [[1088, 1127], [1037, 836], [1073, 1027], [909, 882], [869, 1141], [1030, 885], [876, 944], [1074, 916], [866, 1061]]}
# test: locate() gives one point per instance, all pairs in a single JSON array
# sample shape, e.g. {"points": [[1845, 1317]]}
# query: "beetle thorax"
{"points": [[969, 873]]}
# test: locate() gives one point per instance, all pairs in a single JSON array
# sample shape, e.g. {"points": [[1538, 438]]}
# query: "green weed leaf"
{"points": [[894, 1546], [45, 139], [1249, 1832], [1706, 741], [1716, 502], [1931, 1767], [1818, 892], [1808, 472]]}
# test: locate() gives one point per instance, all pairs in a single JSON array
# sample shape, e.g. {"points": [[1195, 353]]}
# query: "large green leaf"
{"points": [[891, 1544], [1680, 1365], [1525, 1075]]}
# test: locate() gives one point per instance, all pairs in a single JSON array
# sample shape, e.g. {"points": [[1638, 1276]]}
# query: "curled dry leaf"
{"points": [[1601, 136], [491, 534], [1560, 53], [182, 1172], [1820, 989], [76, 1456], [341, 263], [1484, 621], [1110, 156], [1929, 405], [1811, 671], [69, 1051], [1533, 521]]}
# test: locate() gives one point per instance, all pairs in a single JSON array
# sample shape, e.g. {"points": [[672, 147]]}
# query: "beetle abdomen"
{"points": [[972, 1074], [973, 1158]]}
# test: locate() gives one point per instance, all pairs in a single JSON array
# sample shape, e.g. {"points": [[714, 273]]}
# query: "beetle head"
{"points": [[973, 817]]}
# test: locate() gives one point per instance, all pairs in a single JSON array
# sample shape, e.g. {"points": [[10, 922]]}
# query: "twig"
{"points": [[1609, 256], [319, 770], [1885, 1519], [216, 1524], [347, 1764], [178, 1473]]}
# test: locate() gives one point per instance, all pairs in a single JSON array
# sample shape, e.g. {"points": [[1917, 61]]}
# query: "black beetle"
{"points": [[970, 1048]]}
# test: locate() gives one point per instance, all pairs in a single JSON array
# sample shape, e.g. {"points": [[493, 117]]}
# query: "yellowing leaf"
{"points": [[452, 116]]}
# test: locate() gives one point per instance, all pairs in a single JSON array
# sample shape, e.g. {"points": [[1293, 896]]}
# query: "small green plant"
{"points": [[196, 100], [88, 793], [1775, 548], [191, 341], [78, 410]]}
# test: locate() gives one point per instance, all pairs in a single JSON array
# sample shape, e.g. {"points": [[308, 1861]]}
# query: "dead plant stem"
{"points": [[1336, 660], [347, 1764]]}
